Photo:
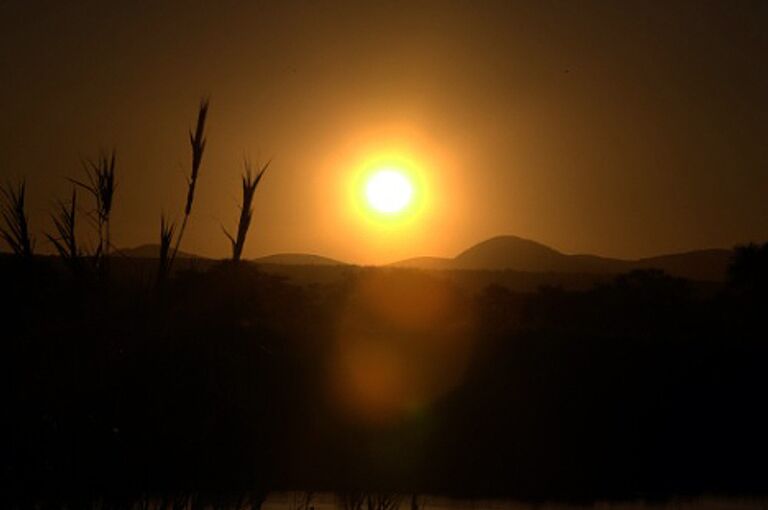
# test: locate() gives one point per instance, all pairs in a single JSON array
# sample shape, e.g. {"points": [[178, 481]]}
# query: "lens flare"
{"points": [[402, 340]]}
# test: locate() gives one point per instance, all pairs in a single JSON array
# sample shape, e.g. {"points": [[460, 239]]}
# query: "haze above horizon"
{"points": [[624, 130]]}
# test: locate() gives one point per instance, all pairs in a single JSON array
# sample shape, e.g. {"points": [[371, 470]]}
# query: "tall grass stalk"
{"points": [[166, 239], [101, 185], [65, 240], [197, 141], [15, 227], [249, 183]]}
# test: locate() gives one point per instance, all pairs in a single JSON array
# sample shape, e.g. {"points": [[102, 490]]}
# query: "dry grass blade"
{"points": [[166, 239], [197, 141], [249, 183], [101, 185], [65, 221], [15, 228]]}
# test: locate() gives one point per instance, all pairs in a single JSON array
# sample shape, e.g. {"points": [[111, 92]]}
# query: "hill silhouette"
{"points": [[707, 265], [512, 253], [298, 259], [432, 263], [518, 254], [152, 251]]}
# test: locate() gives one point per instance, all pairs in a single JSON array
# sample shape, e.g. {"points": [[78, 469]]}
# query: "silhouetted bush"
{"points": [[748, 271]]}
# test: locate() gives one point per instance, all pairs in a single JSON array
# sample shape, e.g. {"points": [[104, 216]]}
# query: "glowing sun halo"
{"points": [[388, 191]]}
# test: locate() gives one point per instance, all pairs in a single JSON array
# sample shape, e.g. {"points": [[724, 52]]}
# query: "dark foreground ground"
{"points": [[228, 383]]}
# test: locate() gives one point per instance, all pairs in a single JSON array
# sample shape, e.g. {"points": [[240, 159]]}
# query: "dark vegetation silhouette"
{"points": [[250, 182], [197, 142], [15, 228], [368, 501], [749, 271], [303, 501], [65, 239], [223, 384], [164, 256], [100, 184]]}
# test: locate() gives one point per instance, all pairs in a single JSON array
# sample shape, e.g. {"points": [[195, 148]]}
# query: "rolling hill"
{"points": [[512, 253], [518, 254], [152, 251], [298, 259]]}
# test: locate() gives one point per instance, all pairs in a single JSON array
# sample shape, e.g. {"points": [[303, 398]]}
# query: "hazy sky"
{"points": [[617, 128]]}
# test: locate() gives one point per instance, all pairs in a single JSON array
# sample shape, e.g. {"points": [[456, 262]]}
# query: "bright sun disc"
{"points": [[388, 191]]}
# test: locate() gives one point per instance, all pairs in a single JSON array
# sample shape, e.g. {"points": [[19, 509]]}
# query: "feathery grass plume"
{"points": [[166, 238], [197, 141], [101, 185], [15, 228], [250, 183], [65, 221]]}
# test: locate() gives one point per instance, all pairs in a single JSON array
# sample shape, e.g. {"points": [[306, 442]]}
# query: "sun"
{"points": [[388, 191]]}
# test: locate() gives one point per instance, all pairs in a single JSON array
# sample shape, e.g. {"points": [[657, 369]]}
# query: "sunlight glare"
{"points": [[388, 191]]}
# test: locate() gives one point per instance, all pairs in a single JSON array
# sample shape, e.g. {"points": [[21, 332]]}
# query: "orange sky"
{"points": [[621, 129]]}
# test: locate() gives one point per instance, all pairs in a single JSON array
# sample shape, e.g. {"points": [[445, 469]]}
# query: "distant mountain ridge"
{"points": [[512, 253], [152, 251], [298, 259], [518, 254]]}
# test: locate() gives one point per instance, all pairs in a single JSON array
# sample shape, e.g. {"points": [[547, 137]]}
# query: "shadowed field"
{"points": [[231, 382]]}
